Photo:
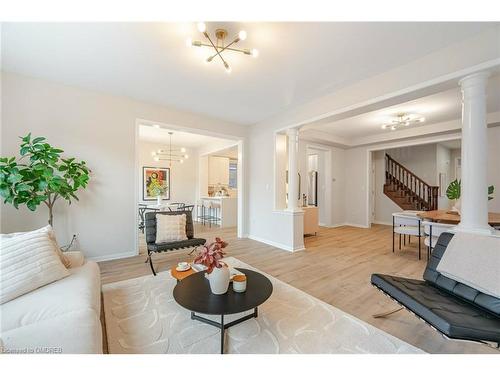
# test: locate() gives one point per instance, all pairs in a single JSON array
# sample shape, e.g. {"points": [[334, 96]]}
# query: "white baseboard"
{"points": [[113, 256], [275, 244], [356, 225], [381, 222]]}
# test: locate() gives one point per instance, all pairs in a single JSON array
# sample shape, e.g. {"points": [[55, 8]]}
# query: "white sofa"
{"points": [[61, 317]]}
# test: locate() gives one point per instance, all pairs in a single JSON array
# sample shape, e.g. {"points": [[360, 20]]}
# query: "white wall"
{"points": [[420, 159], [443, 165], [384, 206], [183, 177], [100, 129], [494, 166]]}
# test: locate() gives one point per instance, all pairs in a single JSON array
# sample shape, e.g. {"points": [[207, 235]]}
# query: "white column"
{"points": [[474, 198], [293, 170]]}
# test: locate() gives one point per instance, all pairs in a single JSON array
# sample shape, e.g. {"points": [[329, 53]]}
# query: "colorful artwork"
{"points": [[155, 182]]}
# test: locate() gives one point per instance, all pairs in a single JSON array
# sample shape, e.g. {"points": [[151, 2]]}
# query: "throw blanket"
{"points": [[473, 260]]}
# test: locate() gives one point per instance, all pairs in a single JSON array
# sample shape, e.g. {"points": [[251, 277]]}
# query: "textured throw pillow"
{"points": [[52, 235], [28, 261], [170, 228]]}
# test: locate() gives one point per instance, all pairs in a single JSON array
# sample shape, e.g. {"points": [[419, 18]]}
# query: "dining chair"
{"points": [[406, 223], [432, 231]]}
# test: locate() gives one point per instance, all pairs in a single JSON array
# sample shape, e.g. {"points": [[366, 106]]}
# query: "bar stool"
{"points": [[200, 211], [215, 212], [207, 212]]}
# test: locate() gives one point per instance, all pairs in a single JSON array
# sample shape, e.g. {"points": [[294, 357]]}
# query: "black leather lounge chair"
{"points": [[454, 309], [153, 247]]}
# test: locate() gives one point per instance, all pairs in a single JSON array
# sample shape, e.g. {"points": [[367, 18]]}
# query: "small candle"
{"points": [[239, 283]]}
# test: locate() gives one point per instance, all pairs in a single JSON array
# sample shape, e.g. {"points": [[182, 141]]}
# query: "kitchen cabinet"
{"points": [[218, 170]]}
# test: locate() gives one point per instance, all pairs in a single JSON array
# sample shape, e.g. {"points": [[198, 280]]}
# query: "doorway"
{"points": [[318, 182], [175, 152]]}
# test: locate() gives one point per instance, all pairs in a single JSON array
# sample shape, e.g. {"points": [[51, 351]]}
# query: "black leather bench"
{"points": [[454, 309], [153, 247]]}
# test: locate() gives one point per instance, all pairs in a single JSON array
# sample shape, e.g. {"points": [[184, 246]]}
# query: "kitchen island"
{"points": [[227, 211]]}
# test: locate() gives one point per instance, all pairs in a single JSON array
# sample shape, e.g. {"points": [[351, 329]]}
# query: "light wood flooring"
{"points": [[335, 267]]}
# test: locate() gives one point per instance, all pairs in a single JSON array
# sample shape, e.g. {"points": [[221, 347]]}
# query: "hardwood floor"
{"points": [[335, 267]]}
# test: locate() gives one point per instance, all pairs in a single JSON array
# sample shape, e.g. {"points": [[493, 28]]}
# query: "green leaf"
{"points": [[38, 139], [32, 205], [453, 190], [23, 187]]}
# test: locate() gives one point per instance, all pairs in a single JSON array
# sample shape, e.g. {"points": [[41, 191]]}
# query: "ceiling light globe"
{"points": [[182, 161], [422, 119], [183, 149], [242, 35], [393, 128], [201, 27], [186, 156], [156, 158], [255, 52], [153, 154]]}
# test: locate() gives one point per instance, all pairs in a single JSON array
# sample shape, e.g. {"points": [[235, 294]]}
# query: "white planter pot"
{"points": [[457, 206], [159, 200], [219, 280]]}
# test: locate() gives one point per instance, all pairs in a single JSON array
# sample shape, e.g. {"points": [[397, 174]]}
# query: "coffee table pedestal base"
{"points": [[223, 326]]}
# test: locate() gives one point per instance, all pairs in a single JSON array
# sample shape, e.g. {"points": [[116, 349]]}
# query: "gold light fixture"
{"points": [[220, 46], [403, 120], [170, 154]]}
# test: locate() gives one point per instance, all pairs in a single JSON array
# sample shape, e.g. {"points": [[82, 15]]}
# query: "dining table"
{"points": [[453, 217]]}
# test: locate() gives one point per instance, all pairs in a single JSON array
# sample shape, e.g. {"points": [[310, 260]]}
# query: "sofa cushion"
{"points": [[28, 261], [79, 291], [52, 235], [75, 332]]}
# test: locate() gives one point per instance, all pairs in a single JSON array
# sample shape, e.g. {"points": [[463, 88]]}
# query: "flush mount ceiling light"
{"points": [[170, 154], [403, 120], [220, 46]]}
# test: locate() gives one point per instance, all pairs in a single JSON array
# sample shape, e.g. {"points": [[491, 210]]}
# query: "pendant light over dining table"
{"points": [[177, 155]]}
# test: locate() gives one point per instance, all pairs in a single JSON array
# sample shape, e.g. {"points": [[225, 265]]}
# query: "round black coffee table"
{"points": [[193, 293]]}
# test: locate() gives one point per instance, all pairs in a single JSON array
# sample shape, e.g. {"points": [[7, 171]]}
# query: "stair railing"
{"points": [[425, 195]]}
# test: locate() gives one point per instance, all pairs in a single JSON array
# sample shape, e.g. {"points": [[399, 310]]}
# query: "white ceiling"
{"points": [[441, 107], [149, 133], [149, 61], [231, 152]]}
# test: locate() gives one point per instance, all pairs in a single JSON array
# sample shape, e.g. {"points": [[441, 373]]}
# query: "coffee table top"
{"points": [[193, 293]]}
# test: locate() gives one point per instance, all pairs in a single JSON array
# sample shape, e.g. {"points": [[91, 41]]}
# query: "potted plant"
{"points": [[217, 272], [454, 191], [158, 191], [41, 175]]}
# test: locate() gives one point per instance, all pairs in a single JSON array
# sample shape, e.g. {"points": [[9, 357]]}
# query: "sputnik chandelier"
{"points": [[403, 120], [170, 154], [220, 46]]}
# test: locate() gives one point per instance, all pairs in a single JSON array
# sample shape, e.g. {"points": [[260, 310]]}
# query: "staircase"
{"points": [[406, 189]]}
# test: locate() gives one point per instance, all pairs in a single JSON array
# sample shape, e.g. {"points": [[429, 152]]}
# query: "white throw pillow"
{"points": [[170, 228], [52, 235], [28, 261]]}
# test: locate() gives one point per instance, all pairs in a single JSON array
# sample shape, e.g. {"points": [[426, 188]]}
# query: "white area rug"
{"points": [[143, 317]]}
